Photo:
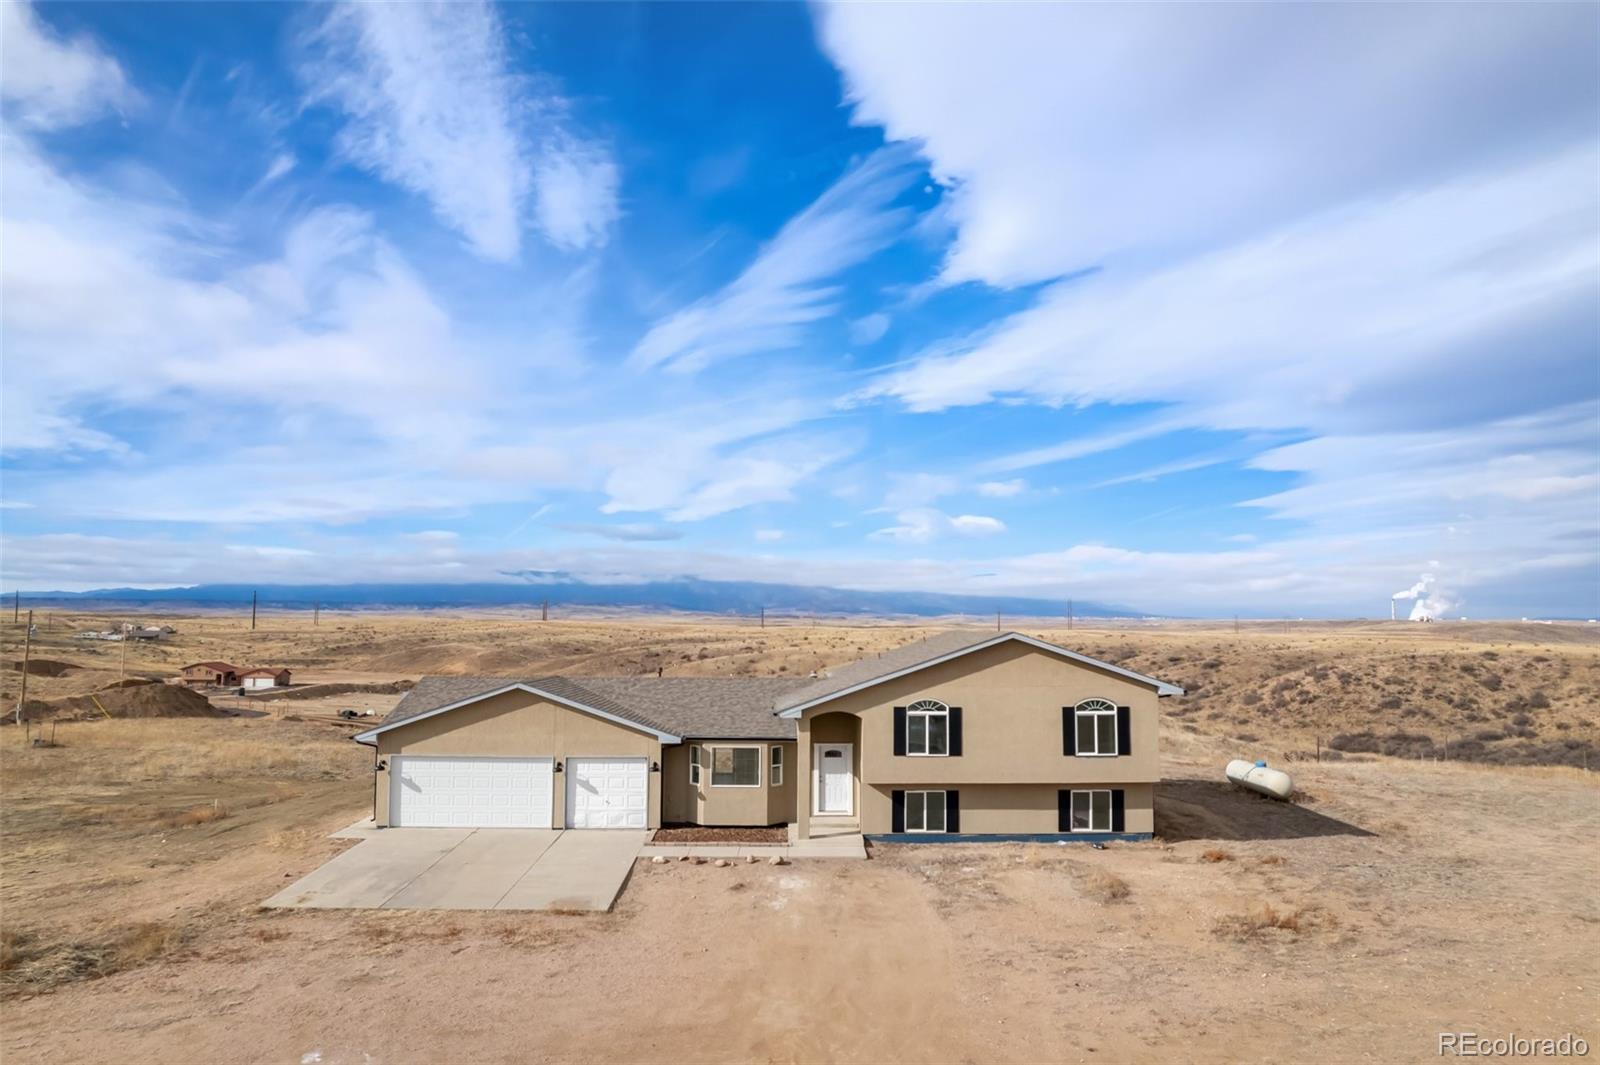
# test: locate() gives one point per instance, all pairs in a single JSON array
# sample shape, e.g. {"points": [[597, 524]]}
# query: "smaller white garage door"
{"points": [[608, 793], [469, 792]]}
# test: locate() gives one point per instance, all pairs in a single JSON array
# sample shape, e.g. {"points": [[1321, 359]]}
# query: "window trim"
{"points": [[944, 807], [714, 748], [1091, 792], [775, 766], [926, 712], [694, 764], [1105, 708]]}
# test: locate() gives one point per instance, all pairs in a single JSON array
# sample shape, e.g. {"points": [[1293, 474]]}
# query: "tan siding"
{"points": [[1007, 808], [518, 724]]}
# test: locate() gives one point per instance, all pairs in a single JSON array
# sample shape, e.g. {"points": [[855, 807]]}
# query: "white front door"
{"points": [[608, 793], [834, 792], [469, 792]]}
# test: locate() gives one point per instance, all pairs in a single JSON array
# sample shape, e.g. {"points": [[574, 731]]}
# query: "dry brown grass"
{"points": [[182, 749], [200, 814], [31, 963], [1268, 919], [1216, 854], [1105, 886]]}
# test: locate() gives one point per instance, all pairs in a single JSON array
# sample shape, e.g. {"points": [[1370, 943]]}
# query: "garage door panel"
{"points": [[608, 793], [436, 792]]}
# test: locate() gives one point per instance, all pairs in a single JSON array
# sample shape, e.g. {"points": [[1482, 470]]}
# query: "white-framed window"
{"points": [[928, 729], [777, 766], [925, 811], [694, 765], [1091, 811], [736, 767], [1096, 722]]}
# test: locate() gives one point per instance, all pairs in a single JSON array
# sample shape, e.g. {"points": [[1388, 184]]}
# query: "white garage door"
{"points": [[608, 793], [469, 792]]}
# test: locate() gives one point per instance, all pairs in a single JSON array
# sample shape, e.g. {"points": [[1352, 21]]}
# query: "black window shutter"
{"points": [[899, 732], [897, 818], [1063, 811], [1119, 822], [1069, 732], [955, 732], [952, 811], [1124, 731]]}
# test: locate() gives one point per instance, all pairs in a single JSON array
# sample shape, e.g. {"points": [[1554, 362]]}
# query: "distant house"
{"points": [[253, 679], [210, 674]]}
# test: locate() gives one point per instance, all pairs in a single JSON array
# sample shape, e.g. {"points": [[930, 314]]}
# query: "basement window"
{"points": [[925, 811], [736, 767], [1091, 811]]}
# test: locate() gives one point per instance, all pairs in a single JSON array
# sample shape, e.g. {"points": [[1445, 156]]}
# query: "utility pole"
{"points": [[997, 621], [763, 617], [544, 613], [1069, 615], [27, 650], [316, 613], [252, 611], [1236, 624], [122, 670]]}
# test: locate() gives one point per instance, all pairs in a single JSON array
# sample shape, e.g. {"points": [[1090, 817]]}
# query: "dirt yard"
{"points": [[1399, 899]]}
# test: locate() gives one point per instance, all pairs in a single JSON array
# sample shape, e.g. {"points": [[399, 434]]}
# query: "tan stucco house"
{"points": [[961, 735]]}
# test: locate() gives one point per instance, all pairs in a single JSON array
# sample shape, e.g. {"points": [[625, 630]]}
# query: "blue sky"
{"points": [[1200, 309]]}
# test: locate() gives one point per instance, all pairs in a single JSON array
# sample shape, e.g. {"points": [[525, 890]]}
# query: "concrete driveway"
{"points": [[472, 869]]}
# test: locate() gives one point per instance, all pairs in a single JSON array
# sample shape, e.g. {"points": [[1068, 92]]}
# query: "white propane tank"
{"points": [[1273, 783]]}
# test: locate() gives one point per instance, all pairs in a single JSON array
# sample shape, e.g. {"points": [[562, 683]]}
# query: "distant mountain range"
{"points": [[684, 594]]}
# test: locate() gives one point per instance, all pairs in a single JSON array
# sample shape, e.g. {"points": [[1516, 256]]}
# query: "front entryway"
{"points": [[469, 792], [608, 792], [834, 779]]}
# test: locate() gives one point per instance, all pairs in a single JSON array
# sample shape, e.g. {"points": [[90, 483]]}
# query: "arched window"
{"points": [[927, 728], [1096, 721]]}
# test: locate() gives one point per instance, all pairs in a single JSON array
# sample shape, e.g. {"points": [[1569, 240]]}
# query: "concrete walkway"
{"points": [[471, 869]]}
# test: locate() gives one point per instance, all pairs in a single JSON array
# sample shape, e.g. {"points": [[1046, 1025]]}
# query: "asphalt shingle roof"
{"points": [[702, 707]]}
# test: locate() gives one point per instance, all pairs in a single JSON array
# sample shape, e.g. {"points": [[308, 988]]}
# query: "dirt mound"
{"points": [[45, 667], [140, 700], [131, 682]]}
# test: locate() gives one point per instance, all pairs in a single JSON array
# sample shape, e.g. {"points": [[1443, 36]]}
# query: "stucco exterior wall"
{"points": [[519, 724], [709, 804], [1007, 808], [1011, 697]]}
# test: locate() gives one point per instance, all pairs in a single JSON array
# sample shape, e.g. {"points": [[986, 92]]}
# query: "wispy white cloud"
{"points": [[431, 104], [1002, 489], [48, 81], [768, 536], [922, 525], [793, 280], [627, 532]]}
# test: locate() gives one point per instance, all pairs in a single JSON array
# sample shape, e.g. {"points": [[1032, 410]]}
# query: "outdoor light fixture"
{"points": [[381, 765], [558, 767], [655, 767]]}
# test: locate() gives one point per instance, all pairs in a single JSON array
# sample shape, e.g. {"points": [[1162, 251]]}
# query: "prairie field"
{"points": [[1409, 890]]}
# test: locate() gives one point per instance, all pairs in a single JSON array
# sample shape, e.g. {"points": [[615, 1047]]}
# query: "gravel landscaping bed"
{"points": [[697, 834]]}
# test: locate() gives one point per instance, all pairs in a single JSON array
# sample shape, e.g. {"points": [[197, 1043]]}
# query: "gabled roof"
{"points": [[938, 648], [437, 695], [259, 670], [211, 665]]}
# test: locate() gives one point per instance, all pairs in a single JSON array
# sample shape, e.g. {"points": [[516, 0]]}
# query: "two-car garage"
{"points": [[428, 791]]}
